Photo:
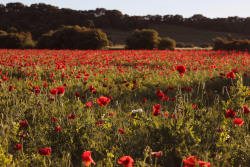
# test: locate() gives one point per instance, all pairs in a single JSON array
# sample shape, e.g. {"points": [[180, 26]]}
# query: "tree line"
{"points": [[41, 18]]}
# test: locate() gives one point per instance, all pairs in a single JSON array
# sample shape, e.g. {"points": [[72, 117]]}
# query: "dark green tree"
{"points": [[166, 43], [74, 37], [143, 39]]}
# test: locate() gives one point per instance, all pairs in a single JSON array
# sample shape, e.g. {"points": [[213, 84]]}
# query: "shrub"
{"points": [[234, 44], [3, 32], [143, 39], [189, 45], [74, 37], [180, 45], [205, 45], [166, 43], [218, 43], [16, 40]]}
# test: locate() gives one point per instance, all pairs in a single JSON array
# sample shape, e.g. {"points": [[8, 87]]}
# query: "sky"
{"points": [[186, 8]]}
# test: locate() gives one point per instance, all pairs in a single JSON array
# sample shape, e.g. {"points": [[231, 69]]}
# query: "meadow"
{"points": [[124, 108]]}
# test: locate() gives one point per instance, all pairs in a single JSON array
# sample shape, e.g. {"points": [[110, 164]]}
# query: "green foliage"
{"points": [[183, 45], [231, 44], [74, 37], [166, 43], [143, 39], [205, 45], [180, 45], [16, 41]]}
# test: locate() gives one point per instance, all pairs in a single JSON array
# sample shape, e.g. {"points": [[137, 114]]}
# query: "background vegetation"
{"points": [[196, 29]]}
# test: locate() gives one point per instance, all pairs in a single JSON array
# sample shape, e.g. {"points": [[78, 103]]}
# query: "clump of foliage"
{"points": [[143, 39], [148, 39], [74, 37], [166, 43], [231, 44], [16, 40], [205, 45], [184, 45]]}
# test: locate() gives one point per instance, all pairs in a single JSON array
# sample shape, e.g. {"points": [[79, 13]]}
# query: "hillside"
{"points": [[178, 33]]}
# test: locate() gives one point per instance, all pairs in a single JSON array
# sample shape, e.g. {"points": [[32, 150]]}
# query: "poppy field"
{"points": [[124, 108]]}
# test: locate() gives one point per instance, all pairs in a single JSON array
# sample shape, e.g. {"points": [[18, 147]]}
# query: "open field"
{"points": [[160, 108], [178, 33]]}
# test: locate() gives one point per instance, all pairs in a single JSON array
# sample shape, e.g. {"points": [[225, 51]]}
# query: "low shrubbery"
{"points": [[74, 37], [233, 44], [16, 40], [166, 43], [148, 39], [205, 45], [184, 45]]}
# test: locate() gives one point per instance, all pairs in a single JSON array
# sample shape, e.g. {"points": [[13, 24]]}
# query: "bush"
{"points": [[166, 43], [183, 45], [205, 45], [234, 44], [189, 45], [16, 40], [74, 37], [180, 45], [144, 39], [3, 32]]}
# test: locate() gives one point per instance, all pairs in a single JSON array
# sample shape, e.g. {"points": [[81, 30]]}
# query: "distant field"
{"points": [[178, 33]]}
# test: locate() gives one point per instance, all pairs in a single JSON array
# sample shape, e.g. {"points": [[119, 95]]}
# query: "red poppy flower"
{"points": [[77, 95], [71, 116], [157, 107], [53, 91], [122, 131], [44, 151], [181, 69], [91, 88], [5, 78], [11, 88], [156, 154], [18, 147], [158, 92], [166, 98], [127, 161], [103, 101], [246, 110], [193, 161], [99, 123], [190, 161], [60, 90], [171, 87], [36, 90], [238, 121], [88, 105], [156, 110], [230, 113], [161, 95], [23, 135], [231, 75], [203, 164], [53, 119], [23, 124], [144, 100], [86, 158], [58, 129]]}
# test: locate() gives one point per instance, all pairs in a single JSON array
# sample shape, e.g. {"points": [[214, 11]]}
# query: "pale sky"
{"points": [[186, 8]]}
